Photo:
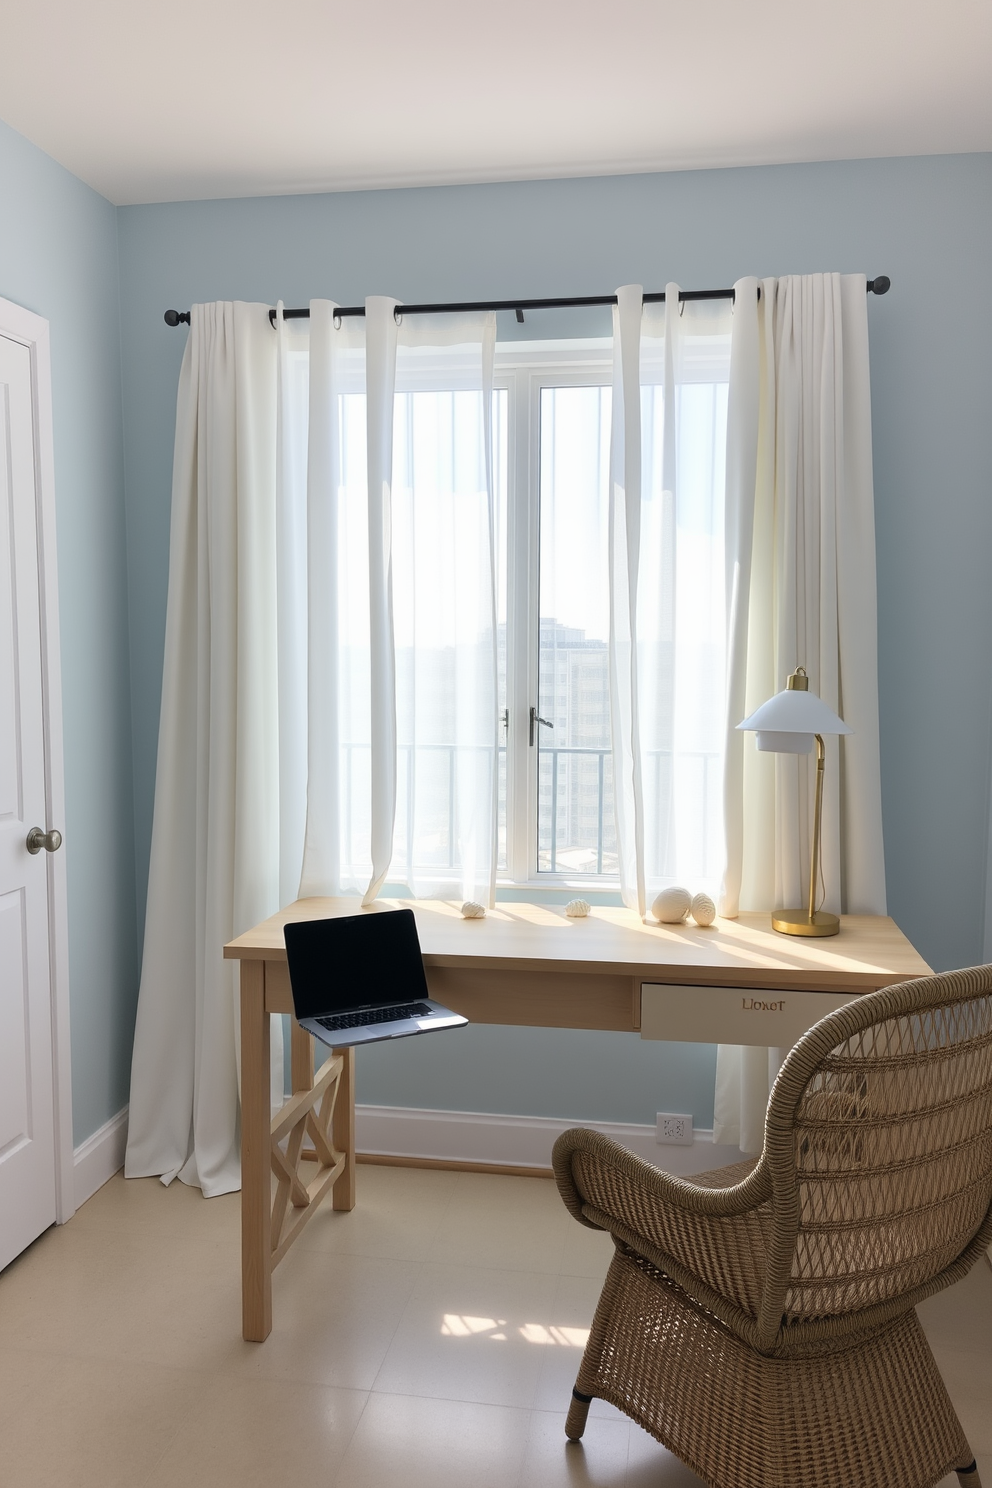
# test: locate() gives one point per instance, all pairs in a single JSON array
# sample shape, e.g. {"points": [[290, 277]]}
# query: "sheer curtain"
{"points": [[380, 382], [624, 562], [401, 774], [667, 647], [331, 613], [444, 607], [333, 488], [685, 367], [800, 584]]}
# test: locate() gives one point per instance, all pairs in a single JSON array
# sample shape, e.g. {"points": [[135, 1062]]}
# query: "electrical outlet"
{"points": [[674, 1129]]}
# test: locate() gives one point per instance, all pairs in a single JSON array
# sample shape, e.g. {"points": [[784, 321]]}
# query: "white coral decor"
{"points": [[577, 909], [473, 911]]}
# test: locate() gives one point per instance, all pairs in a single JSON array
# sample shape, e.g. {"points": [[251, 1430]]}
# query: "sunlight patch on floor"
{"points": [[457, 1325]]}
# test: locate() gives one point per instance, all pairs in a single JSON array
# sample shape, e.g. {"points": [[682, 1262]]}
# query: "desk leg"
{"points": [[344, 1131], [301, 1055], [256, 1183]]}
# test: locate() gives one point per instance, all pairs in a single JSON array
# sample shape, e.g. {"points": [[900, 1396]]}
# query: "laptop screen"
{"points": [[356, 961]]}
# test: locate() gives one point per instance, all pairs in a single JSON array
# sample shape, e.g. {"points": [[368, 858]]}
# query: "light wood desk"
{"points": [[523, 964]]}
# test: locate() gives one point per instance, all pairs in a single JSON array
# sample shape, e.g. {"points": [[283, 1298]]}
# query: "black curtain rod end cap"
{"points": [[881, 285], [177, 317]]}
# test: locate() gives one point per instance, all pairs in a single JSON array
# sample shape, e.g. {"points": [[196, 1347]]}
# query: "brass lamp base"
{"points": [[798, 922]]}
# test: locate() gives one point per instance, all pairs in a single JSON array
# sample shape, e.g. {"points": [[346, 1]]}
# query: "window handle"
{"points": [[535, 719]]}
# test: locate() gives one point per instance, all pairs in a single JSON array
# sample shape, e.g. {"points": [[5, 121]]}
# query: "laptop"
{"points": [[360, 979]]}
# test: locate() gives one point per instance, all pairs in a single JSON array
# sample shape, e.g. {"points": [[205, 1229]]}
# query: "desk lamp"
{"points": [[788, 724]]}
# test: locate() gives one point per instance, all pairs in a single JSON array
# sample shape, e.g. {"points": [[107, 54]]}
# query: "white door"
{"points": [[29, 1165]]}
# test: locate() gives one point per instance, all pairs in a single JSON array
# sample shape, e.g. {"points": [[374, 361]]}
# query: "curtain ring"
{"points": [[397, 317], [336, 321], [681, 306]]}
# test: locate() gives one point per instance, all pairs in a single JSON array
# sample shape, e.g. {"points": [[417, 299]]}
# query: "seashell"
{"points": [[672, 905], [577, 909], [473, 911], [702, 909]]}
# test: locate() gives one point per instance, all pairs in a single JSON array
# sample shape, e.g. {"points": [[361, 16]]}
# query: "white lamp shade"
{"points": [[793, 712]]}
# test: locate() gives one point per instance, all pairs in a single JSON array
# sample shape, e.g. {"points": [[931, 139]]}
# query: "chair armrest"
{"points": [[711, 1240], [681, 1193]]}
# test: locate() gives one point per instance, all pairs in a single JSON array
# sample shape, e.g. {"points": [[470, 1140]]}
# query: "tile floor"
{"points": [[429, 1338]]}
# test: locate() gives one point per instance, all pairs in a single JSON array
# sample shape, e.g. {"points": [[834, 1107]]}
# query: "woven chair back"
{"points": [[878, 1141]]}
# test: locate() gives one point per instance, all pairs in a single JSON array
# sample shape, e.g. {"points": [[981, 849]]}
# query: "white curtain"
{"points": [[402, 690], [685, 367], [332, 484], [666, 556], [624, 561], [380, 378], [800, 591], [331, 608], [444, 608], [216, 855]]}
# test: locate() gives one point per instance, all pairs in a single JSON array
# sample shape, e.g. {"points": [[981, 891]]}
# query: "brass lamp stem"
{"points": [[814, 860], [810, 921]]}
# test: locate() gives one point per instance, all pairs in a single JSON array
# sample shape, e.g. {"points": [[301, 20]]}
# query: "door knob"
{"points": [[37, 839]]}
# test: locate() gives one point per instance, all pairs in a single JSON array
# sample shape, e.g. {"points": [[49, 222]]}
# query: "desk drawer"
{"points": [[732, 1015]]}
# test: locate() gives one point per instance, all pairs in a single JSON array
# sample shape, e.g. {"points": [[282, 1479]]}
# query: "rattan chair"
{"points": [[760, 1320]]}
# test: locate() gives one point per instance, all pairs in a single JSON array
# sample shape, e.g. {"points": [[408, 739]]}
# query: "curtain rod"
{"points": [[877, 286]]}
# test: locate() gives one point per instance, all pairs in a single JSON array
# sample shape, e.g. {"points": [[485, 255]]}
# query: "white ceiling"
{"points": [[161, 100]]}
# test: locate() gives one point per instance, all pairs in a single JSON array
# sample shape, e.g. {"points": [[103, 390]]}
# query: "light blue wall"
{"points": [[926, 222], [58, 257]]}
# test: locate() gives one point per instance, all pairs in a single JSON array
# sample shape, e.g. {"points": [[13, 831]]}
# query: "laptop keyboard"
{"points": [[374, 1015]]}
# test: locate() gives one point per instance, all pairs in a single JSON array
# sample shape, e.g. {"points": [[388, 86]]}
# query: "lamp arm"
{"points": [[814, 862]]}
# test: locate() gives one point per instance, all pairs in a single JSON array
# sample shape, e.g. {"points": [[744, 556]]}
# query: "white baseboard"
{"points": [[96, 1160], [448, 1136], [516, 1141]]}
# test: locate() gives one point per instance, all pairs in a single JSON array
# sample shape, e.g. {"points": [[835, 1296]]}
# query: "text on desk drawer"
{"points": [[732, 1015]]}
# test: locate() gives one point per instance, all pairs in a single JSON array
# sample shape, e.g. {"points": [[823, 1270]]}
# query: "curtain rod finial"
{"points": [[879, 286], [176, 317]]}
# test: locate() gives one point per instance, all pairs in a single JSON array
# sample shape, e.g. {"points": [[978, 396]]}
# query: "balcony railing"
{"points": [[446, 822], [562, 805], [575, 815], [557, 753]]}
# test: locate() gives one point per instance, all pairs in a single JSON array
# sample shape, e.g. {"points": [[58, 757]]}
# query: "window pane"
{"points": [[576, 831]]}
